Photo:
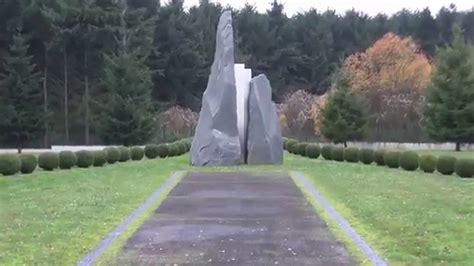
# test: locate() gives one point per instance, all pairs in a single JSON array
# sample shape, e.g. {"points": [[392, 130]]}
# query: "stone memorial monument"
{"points": [[238, 122]]}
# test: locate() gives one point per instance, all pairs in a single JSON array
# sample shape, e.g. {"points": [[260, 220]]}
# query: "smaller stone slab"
{"points": [[264, 143]]}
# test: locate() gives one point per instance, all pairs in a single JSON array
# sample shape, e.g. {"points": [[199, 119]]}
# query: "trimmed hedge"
{"points": [[392, 159], [337, 154], [100, 158], [445, 165], [163, 150], [10, 164], [351, 155], [136, 153], [124, 154], [151, 151], [67, 159], [366, 156], [290, 144], [428, 163], [48, 161], [409, 160], [326, 152], [379, 157], [84, 158], [300, 148], [313, 151], [112, 154], [182, 147], [464, 167], [28, 163], [173, 150], [284, 139]]}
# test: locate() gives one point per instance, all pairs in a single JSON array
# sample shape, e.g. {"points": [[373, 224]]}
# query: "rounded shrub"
{"points": [[366, 156], [392, 159], [290, 144], [190, 144], [173, 149], [326, 152], [427, 163], [10, 164], [85, 158], [445, 165], [163, 150], [351, 155], [337, 154], [284, 139], [28, 163], [124, 154], [300, 148], [136, 153], [151, 151], [48, 161], [100, 158], [182, 147], [409, 160], [464, 167], [67, 159], [313, 151], [379, 157], [187, 144], [112, 154]]}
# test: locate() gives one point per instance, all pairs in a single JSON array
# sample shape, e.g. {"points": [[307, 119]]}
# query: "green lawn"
{"points": [[409, 217], [54, 218]]}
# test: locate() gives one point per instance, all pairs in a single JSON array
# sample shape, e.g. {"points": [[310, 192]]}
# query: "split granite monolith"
{"points": [[264, 142], [216, 140]]}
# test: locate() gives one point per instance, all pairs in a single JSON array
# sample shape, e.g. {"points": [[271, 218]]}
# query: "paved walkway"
{"points": [[234, 219]]}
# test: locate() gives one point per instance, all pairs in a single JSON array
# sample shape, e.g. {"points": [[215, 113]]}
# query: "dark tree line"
{"points": [[81, 49]]}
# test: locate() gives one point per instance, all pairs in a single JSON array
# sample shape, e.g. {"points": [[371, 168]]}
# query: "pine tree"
{"points": [[343, 117], [127, 115], [449, 110], [20, 96]]}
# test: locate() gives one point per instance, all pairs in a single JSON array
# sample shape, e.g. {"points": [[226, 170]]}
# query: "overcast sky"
{"points": [[371, 7]]}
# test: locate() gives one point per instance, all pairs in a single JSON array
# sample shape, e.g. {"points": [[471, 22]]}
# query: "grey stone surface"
{"points": [[264, 142], [234, 219], [216, 141]]}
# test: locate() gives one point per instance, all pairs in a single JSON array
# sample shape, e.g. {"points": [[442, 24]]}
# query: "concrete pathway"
{"points": [[234, 219]]}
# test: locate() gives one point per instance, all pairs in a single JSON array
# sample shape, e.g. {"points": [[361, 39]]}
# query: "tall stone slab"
{"points": [[264, 142], [216, 140]]}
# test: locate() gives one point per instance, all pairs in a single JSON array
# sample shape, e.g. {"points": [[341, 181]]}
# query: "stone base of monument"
{"points": [[238, 122]]}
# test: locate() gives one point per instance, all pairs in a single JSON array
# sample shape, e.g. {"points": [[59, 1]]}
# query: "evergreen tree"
{"points": [[20, 97], [343, 116], [450, 101], [127, 115]]}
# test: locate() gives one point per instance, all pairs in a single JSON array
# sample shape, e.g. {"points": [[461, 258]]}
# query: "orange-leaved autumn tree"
{"points": [[298, 114], [177, 122], [391, 75]]}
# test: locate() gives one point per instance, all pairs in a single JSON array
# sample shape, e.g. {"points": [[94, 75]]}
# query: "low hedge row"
{"points": [[407, 160], [11, 164]]}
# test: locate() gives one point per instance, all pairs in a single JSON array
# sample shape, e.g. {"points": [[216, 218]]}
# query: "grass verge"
{"points": [[410, 218], [55, 218], [107, 258]]}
